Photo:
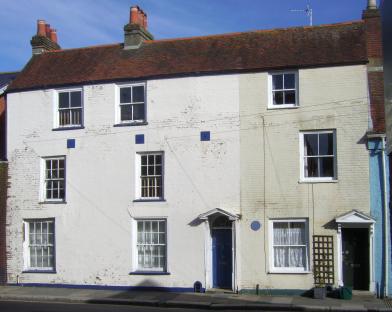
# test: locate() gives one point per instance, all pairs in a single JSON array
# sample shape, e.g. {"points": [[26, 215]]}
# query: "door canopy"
{"points": [[355, 217], [218, 212]]}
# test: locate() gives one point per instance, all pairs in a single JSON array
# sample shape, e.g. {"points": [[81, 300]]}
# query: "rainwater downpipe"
{"points": [[386, 249]]}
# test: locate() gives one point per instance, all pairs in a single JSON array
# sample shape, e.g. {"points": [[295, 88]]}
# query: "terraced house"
{"points": [[238, 161]]}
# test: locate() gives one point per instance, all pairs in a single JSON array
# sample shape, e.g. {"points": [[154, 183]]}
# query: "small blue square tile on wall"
{"points": [[139, 139], [71, 143], [204, 135]]}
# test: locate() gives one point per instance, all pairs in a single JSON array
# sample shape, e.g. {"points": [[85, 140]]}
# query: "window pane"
{"points": [[144, 159], [158, 170], [147, 226], [125, 95], [155, 226], [311, 144], [126, 112], [326, 143], [158, 159], [64, 100], [138, 112], [76, 99], [278, 97], [289, 81], [162, 226], [281, 257], [289, 97], [296, 257], [151, 159], [326, 167], [151, 170], [297, 233], [138, 94], [277, 82], [162, 238], [311, 167], [144, 170], [33, 261], [281, 236]]}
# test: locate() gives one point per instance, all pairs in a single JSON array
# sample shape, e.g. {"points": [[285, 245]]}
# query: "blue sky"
{"points": [[82, 23]]}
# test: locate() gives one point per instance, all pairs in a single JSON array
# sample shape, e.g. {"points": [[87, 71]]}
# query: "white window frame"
{"points": [[118, 104], [272, 268], [26, 246], [138, 176], [135, 264], [271, 104], [43, 180], [56, 108], [303, 178]]}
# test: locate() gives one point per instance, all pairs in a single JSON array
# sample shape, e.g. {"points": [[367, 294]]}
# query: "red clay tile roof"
{"points": [[336, 44]]}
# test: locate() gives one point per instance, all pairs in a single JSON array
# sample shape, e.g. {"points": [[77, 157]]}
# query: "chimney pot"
{"points": [[53, 35], [41, 28], [372, 5], [134, 15], [47, 30]]}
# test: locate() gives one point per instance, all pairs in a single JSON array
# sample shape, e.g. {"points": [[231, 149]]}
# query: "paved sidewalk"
{"points": [[212, 301]]}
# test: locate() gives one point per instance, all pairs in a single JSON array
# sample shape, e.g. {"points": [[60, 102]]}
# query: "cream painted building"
{"points": [[166, 163]]}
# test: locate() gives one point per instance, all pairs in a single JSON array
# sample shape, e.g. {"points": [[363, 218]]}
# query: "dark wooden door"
{"points": [[222, 260], [355, 255]]}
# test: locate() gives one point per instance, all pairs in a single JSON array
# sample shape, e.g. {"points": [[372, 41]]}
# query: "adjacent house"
{"points": [[239, 161], [5, 80]]}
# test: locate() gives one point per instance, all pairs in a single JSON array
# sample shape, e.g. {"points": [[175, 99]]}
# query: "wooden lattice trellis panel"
{"points": [[323, 264]]}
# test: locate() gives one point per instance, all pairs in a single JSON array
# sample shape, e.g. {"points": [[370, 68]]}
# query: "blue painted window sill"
{"points": [[130, 124], [149, 273], [40, 271], [148, 200], [68, 128]]}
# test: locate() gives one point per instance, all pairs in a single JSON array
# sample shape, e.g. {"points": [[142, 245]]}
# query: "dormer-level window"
{"points": [[131, 107], [70, 109], [283, 90]]}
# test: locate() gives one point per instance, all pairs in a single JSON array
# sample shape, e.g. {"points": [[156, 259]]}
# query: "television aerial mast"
{"points": [[308, 11]]}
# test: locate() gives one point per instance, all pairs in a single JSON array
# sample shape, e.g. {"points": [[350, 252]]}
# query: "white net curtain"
{"points": [[289, 244]]}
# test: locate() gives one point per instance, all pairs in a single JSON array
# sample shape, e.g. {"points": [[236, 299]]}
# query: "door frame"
{"points": [[354, 220], [208, 217]]}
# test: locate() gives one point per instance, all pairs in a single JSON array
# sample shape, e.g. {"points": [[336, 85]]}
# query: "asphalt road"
{"points": [[25, 306]]}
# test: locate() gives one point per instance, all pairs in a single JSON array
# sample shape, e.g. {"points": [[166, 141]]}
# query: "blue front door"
{"points": [[222, 261]]}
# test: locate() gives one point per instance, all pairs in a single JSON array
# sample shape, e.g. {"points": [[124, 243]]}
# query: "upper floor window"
{"points": [[70, 109], [53, 179], [318, 159], [132, 103], [150, 180], [283, 90]]}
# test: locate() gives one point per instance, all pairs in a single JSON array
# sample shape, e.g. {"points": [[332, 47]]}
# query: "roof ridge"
{"points": [[86, 48], [257, 31], [232, 34]]}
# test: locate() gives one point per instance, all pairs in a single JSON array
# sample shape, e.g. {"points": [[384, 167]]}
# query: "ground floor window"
{"points": [[289, 245], [151, 245], [39, 245]]}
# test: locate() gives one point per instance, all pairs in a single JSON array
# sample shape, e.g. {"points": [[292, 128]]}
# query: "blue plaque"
{"points": [[255, 225]]}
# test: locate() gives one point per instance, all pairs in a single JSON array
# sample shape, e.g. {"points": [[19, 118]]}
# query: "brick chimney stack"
{"points": [[45, 39], [135, 32], [372, 23]]}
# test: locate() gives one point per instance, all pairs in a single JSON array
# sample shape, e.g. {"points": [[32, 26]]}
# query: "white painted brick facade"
{"points": [[94, 238]]}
